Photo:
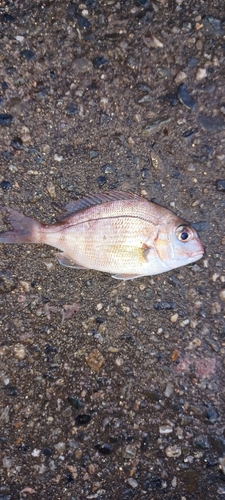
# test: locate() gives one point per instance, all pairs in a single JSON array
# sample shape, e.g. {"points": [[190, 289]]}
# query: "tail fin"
{"points": [[24, 229]]}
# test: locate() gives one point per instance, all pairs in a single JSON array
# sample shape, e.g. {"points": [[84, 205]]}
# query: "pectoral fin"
{"points": [[66, 261], [127, 276]]}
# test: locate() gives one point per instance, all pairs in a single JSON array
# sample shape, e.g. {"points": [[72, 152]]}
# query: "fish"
{"points": [[115, 232]]}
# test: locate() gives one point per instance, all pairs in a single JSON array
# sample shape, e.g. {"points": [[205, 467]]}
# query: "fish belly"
{"points": [[114, 245]]}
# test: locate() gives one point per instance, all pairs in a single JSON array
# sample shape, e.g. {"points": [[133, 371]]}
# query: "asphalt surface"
{"points": [[112, 390]]}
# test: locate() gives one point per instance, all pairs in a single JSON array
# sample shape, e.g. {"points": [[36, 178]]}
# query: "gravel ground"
{"points": [[112, 390]]}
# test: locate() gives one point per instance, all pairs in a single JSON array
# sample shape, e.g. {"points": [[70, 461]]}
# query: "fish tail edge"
{"points": [[24, 229]]}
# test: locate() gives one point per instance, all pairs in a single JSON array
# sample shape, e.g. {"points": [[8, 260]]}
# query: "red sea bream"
{"points": [[116, 232]]}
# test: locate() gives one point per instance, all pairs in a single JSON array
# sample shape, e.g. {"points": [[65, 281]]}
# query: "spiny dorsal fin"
{"points": [[96, 199]]}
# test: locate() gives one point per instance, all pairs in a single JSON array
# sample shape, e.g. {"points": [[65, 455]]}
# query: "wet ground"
{"points": [[112, 390]]}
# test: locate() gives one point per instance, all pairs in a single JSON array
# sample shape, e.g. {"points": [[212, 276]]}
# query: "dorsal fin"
{"points": [[96, 199]]}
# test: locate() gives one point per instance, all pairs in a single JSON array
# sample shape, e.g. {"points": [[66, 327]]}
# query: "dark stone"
{"points": [[7, 18], [185, 98], [83, 22], [200, 226], [206, 87], [47, 452], [104, 448], [72, 109], [75, 402], [171, 98], [11, 391], [69, 477], [220, 184], [218, 444], [100, 62], [211, 414], [100, 320], [93, 154], [211, 123], [108, 169], [127, 495], [143, 87], [188, 135], [213, 25], [5, 185], [164, 305], [83, 419], [132, 63], [71, 10], [222, 333], [17, 143], [144, 173], [129, 338], [152, 483], [7, 282], [145, 442], [5, 86], [5, 119], [28, 54], [202, 442], [101, 180], [192, 62], [155, 125]]}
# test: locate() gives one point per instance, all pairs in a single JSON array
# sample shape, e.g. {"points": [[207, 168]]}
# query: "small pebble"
{"points": [[171, 98], [7, 282], [164, 305], [132, 482], [185, 98], [35, 453], [82, 419], [58, 158], [222, 294], [108, 169], [211, 414], [174, 318], [5, 185], [220, 185], [93, 154], [169, 390], [95, 360], [104, 449], [28, 54], [17, 143], [19, 351], [165, 429], [5, 119], [211, 123], [154, 125], [173, 451], [100, 62], [60, 447], [201, 73], [83, 22], [101, 180], [72, 109]]}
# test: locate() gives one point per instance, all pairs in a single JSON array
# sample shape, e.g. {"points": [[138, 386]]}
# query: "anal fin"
{"points": [[64, 260], [127, 276]]}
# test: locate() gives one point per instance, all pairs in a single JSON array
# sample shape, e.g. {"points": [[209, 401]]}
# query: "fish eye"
{"points": [[184, 233]]}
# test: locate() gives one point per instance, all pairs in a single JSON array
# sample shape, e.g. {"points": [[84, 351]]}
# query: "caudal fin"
{"points": [[24, 229]]}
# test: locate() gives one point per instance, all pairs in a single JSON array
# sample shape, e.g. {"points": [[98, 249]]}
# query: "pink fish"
{"points": [[116, 232]]}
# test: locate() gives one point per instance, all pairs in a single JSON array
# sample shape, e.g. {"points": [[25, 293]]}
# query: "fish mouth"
{"points": [[200, 252]]}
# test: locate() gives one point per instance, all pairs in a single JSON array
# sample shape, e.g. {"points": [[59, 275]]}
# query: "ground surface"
{"points": [[123, 399]]}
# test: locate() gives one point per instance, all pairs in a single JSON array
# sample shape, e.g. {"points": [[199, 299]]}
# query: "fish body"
{"points": [[116, 232]]}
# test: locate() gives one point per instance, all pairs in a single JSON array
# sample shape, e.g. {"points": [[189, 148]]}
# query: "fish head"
{"points": [[178, 244]]}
